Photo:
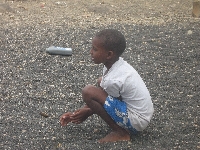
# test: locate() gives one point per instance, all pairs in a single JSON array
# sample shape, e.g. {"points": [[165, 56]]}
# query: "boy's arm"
{"points": [[89, 110], [98, 82]]}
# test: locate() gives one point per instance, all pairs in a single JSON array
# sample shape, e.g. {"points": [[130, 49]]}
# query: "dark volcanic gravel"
{"points": [[36, 88]]}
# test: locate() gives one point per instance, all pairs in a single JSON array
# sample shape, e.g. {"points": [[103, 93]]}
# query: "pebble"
{"points": [[189, 32]]}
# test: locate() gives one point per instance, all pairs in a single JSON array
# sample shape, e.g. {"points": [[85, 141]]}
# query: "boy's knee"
{"points": [[87, 91], [90, 93]]}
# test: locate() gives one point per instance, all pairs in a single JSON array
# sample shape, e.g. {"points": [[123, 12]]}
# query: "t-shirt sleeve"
{"points": [[112, 87]]}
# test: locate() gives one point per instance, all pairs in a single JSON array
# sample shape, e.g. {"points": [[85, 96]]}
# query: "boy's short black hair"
{"points": [[112, 40]]}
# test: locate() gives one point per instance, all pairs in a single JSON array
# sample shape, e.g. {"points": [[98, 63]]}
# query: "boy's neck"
{"points": [[111, 62]]}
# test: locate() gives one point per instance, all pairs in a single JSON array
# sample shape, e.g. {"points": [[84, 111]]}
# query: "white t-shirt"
{"points": [[123, 80]]}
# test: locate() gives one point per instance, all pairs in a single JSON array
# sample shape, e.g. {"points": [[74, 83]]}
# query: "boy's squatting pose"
{"points": [[121, 98]]}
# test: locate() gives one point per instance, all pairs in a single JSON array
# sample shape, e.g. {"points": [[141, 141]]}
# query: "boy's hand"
{"points": [[99, 81], [65, 118], [80, 115], [76, 117]]}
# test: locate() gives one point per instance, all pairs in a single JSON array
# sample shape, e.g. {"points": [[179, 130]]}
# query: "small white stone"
{"points": [[189, 32]]}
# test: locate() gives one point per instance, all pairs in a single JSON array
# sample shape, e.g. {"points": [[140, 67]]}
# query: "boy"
{"points": [[122, 99]]}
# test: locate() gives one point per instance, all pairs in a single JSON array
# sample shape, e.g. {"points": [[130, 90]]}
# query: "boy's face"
{"points": [[98, 53]]}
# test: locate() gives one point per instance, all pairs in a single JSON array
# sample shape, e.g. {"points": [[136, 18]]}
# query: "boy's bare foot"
{"points": [[116, 136], [65, 118]]}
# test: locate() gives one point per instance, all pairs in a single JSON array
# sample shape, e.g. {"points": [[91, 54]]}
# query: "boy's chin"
{"points": [[95, 62]]}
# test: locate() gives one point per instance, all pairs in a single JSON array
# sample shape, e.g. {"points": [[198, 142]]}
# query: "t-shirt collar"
{"points": [[115, 65]]}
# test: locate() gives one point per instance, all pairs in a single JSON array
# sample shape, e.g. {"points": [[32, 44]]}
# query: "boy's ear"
{"points": [[110, 54]]}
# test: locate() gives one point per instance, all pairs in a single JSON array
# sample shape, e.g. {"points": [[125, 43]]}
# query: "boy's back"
{"points": [[122, 80]]}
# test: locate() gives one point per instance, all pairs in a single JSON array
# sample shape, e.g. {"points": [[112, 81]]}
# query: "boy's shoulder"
{"points": [[122, 70], [124, 66]]}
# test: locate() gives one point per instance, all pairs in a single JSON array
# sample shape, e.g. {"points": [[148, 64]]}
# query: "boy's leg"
{"points": [[95, 98]]}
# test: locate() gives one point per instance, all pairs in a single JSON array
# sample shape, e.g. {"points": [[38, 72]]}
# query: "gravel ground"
{"points": [[36, 88]]}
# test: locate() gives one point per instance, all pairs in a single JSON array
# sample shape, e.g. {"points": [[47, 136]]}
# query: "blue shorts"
{"points": [[118, 111]]}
